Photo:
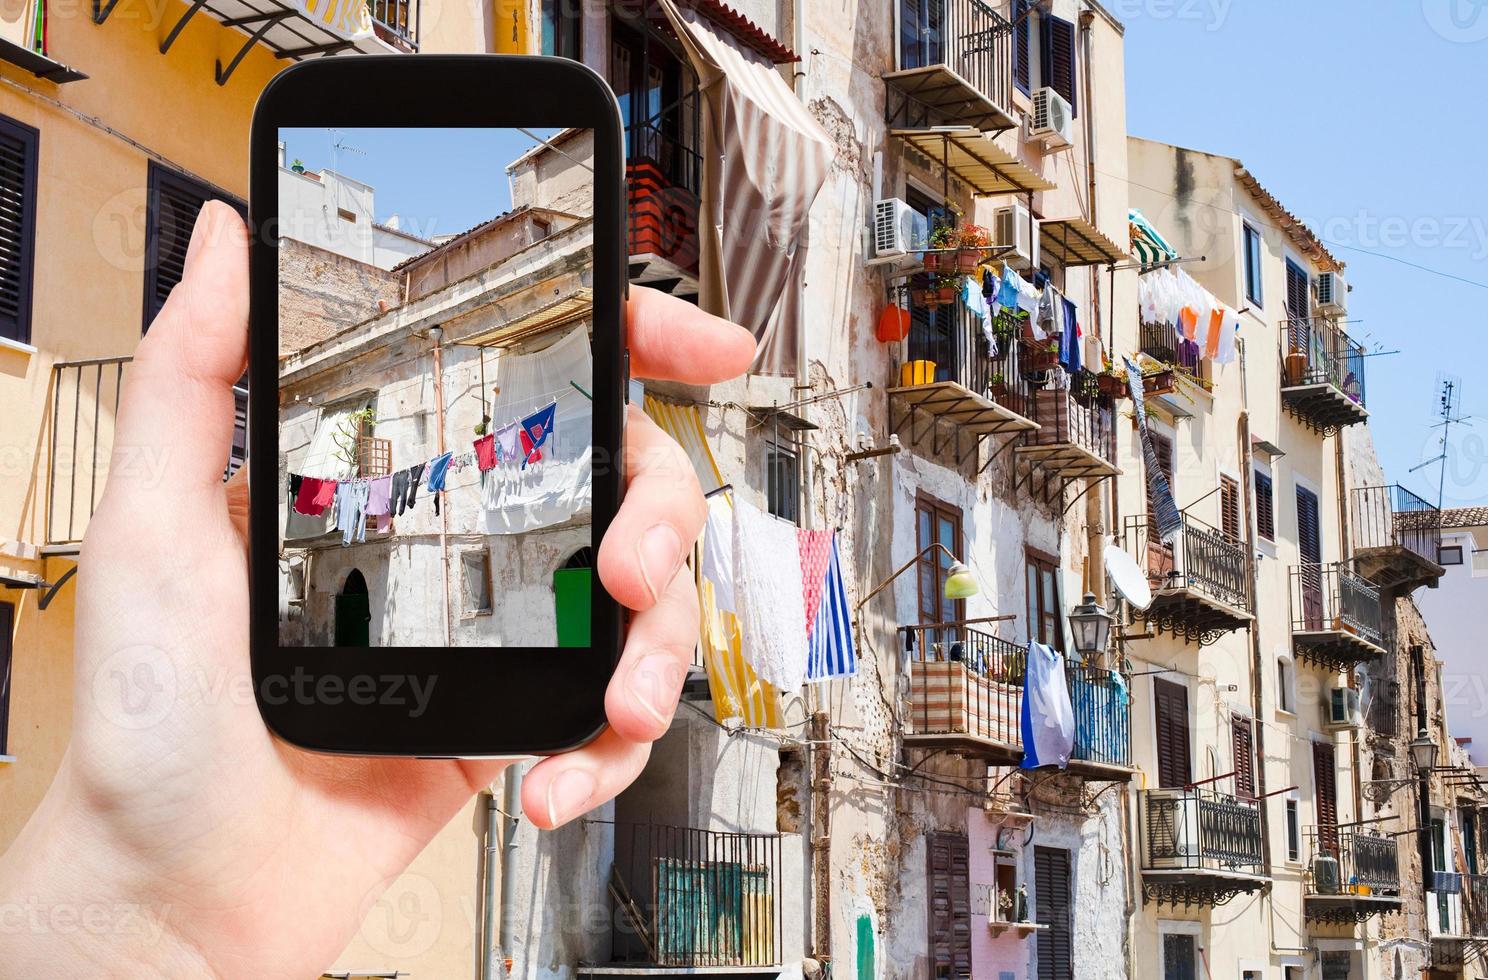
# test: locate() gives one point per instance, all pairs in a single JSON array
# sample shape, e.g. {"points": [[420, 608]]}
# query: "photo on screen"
{"points": [[435, 387]]}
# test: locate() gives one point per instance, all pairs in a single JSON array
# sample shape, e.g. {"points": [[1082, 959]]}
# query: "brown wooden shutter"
{"points": [[950, 905], [1022, 46], [1309, 530], [1324, 774], [1162, 448], [1244, 742], [1051, 898], [1265, 506], [1170, 700], [18, 152], [1229, 507], [1059, 57], [1298, 300]]}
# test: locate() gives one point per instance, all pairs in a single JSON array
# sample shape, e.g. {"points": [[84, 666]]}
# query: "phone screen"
{"points": [[435, 374]]}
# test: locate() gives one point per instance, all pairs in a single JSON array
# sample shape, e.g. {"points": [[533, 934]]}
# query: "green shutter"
{"points": [[573, 600]]}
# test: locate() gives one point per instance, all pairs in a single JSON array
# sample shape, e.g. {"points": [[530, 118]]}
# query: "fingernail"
{"points": [[653, 687], [198, 232], [568, 796], [660, 552]]}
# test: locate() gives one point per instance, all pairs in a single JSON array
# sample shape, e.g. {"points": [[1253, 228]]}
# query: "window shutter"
{"points": [[173, 201], [1022, 53], [1265, 507], [1244, 742], [1229, 507], [1162, 448], [1051, 899], [1309, 534], [7, 630], [18, 152], [1299, 303], [1171, 703], [1059, 57], [950, 905], [1324, 776]]}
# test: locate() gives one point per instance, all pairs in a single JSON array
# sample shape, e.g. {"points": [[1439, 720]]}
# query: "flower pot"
{"points": [[1296, 368], [916, 373], [1039, 358], [1111, 385], [1159, 384], [999, 390], [933, 298], [934, 261], [967, 260]]}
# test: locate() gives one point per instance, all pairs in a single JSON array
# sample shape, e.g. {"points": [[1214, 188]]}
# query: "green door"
{"points": [[353, 612], [573, 600]]}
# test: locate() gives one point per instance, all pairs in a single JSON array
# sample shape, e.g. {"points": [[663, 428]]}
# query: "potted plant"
{"points": [[298, 166], [1040, 355], [939, 258], [936, 291], [1111, 384], [999, 386], [1159, 382], [971, 241]]}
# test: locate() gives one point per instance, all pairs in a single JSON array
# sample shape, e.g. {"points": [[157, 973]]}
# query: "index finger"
{"points": [[672, 340]]}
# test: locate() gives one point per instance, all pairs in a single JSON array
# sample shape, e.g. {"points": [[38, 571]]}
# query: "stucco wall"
{"points": [[320, 292]]}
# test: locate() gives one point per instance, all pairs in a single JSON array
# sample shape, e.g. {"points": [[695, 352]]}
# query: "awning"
{"points": [[575, 306], [975, 160], [765, 160], [1075, 242], [1147, 245]]}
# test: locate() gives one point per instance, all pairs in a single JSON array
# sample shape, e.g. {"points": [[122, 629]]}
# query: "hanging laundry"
{"points": [[1227, 333], [379, 496], [351, 510], [535, 431], [1167, 521], [485, 452], [830, 652], [768, 595], [438, 468], [415, 476], [1070, 355], [1048, 722], [325, 496], [816, 551], [508, 443], [971, 296], [718, 552], [305, 501], [400, 492]]}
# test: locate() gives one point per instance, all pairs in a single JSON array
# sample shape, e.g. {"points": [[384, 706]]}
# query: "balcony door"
{"points": [[1174, 763], [1325, 779], [1310, 555], [931, 331], [1161, 566], [1051, 903], [950, 905], [937, 523], [658, 104], [921, 33]]}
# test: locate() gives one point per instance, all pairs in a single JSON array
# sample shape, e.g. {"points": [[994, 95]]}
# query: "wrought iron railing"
{"points": [[1457, 905], [965, 680], [1079, 415], [1332, 597], [396, 22], [1203, 558], [1198, 829], [85, 402], [687, 897], [1102, 704], [1163, 342], [954, 340], [1351, 862], [971, 39], [1392, 516], [671, 139], [1316, 351]]}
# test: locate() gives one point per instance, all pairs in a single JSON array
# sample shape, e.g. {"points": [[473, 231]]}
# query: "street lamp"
{"points": [[1423, 752], [1090, 627], [960, 583]]}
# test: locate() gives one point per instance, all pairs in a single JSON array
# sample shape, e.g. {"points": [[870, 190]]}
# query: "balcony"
{"points": [[1163, 343], [688, 900], [1397, 538], [1101, 700], [954, 71], [1076, 434], [1199, 847], [947, 376], [1351, 875], [1202, 583], [1337, 617], [663, 179], [1322, 375], [1457, 917]]}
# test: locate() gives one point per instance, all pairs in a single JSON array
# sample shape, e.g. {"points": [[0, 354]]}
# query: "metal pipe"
{"points": [[511, 804], [490, 962], [437, 334], [1257, 661]]}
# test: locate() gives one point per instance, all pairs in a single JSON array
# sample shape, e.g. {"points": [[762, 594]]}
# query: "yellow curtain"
{"points": [[737, 692]]}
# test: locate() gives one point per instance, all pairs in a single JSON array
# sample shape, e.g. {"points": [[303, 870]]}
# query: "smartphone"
{"points": [[437, 379]]}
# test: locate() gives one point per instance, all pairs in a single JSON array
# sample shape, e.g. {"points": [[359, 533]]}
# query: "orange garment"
{"points": [[1189, 319], [1216, 325]]}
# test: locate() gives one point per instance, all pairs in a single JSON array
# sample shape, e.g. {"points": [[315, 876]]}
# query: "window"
{"points": [[475, 579], [1051, 903], [1162, 448], [1170, 707], [541, 229], [173, 200], [783, 480], [921, 33], [1265, 504], [1285, 688], [1252, 243], [1243, 748], [1293, 831], [937, 523], [7, 651], [238, 454], [1336, 964], [1022, 45], [1058, 58], [1044, 615], [562, 29], [950, 906], [18, 152], [1450, 554], [346, 215], [1229, 507], [1291, 973], [1180, 956]]}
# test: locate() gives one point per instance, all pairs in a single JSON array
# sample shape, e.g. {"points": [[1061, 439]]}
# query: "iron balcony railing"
{"points": [[1316, 351], [1198, 829], [1457, 905], [1203, 559], [1332, 597], [968, 37], [966, 681], [1080, 415], [692, 898], [396, 22], [1350, 862], [1102, 703], [952, 338], [1163, 342], [670, 139], [1392, 516]]}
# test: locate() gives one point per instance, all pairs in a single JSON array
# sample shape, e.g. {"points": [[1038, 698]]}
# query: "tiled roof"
{"points": [[1465, 517], [1295, 229], [743, 29]]}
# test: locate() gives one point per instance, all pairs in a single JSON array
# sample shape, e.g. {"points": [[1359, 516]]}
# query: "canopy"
{"points": [[1147, 244], [975, 159], [1075, 242]]}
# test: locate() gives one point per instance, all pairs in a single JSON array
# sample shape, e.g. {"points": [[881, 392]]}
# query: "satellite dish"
{"points": [[1122, 570]]}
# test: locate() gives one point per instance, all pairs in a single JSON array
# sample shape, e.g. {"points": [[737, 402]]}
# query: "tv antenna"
{"points": [[1448, 409]]}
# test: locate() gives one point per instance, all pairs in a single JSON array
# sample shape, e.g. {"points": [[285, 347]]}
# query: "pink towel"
{"points": [[379, 495]]}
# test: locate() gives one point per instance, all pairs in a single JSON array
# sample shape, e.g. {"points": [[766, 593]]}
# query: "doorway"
{"points": [[353, 612]]}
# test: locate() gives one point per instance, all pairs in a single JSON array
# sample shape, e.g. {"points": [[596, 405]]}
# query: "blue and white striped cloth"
{"points": [[830, 650]]}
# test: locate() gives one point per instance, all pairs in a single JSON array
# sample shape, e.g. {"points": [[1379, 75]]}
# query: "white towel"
{"points": [[1048, 716], [769, 596], [718, 552]]}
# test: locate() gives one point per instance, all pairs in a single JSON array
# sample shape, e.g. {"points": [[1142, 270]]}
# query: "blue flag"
{"points": [[535, 431]]}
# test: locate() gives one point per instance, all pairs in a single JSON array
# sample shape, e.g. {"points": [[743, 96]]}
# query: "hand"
{"points": [[248, 857]]}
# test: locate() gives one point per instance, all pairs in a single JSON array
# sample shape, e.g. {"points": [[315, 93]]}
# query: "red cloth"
{"points": [[323, 497], [304, 502], [816, 553], [530, 452], [485, 452]]}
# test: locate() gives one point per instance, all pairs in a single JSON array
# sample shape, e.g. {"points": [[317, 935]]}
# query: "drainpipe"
{"points": [[1257, 657], [1095, 524], [491, 961], [437, 335]]}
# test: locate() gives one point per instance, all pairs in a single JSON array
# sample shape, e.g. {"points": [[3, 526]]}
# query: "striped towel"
{"points": [[830, 651]]}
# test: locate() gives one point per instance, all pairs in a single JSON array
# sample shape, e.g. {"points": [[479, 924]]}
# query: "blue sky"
{"points": [[1369, 122], [440, 181]]}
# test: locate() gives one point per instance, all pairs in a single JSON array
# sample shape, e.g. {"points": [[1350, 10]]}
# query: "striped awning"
{"points": [[578, 305], [1075, 242], [975, 159], [1147, 245], [765, 160]]}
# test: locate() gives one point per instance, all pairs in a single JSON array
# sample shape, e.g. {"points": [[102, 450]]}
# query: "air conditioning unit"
{"points": [[1012, 229], [1345, 709], [898, 229], [1052, 121], [1172, 829], [1332, 294]]}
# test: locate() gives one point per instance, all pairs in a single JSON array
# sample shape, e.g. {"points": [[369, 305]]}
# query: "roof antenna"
{"points": [[1449, 404]]}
